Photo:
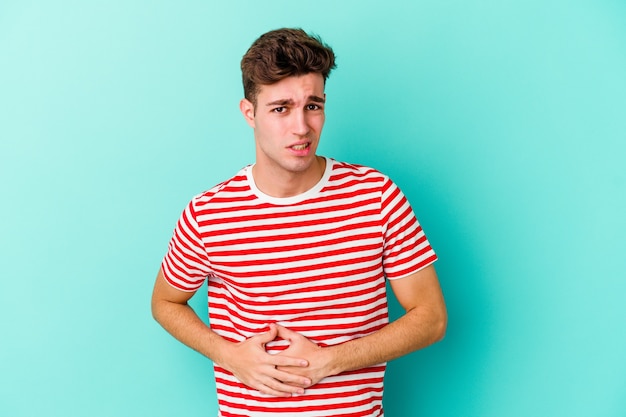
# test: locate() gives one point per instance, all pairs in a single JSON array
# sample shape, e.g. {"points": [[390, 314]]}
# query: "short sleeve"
{"points": [[406, 249], [186, 264]]}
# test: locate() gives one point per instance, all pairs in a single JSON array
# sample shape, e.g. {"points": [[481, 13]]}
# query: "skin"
{"points": [[287, 121], [423, 323], [288, 113]]}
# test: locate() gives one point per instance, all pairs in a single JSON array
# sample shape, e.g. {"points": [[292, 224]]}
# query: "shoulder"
{"points": [[234, 188], [356, 172], [363, 177]]}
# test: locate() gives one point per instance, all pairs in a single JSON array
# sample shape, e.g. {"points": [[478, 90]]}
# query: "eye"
{"points": [[313, 107], [281, 109]]}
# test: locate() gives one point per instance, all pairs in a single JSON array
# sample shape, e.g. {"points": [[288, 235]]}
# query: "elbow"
{"points": [[440, 325], [156, 308]]}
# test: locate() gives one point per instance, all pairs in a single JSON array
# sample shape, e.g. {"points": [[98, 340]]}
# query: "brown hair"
{"points": [[282, 53]]}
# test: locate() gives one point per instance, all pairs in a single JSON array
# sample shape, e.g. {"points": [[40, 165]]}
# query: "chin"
{"points": [[301, 165]]}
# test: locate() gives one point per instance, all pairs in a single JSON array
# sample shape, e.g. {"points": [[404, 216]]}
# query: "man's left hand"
{"points": [[320, 359]]}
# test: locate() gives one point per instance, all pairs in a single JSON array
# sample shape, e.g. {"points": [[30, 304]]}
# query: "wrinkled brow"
{"points": [[290, 102]]}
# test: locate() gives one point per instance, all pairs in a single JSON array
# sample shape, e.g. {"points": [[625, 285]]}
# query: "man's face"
{"points": [[287, 121]]}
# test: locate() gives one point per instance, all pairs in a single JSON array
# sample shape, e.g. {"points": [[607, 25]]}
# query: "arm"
{"points": [[247, 360], [423, 323]]}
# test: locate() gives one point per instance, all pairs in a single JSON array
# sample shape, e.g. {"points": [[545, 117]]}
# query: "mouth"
{"points": [[300, 146]]}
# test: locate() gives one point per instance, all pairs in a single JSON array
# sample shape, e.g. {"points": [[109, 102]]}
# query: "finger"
{"points": [[280, 360], [286, 333], [286, 376], [279, 389], [280, 383], [268, 336]]}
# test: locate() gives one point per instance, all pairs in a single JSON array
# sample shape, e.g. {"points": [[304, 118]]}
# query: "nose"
{"points": [[300, 124]]}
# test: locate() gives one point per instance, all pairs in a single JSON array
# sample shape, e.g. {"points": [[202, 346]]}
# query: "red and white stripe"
{"points": [[315, 263]]}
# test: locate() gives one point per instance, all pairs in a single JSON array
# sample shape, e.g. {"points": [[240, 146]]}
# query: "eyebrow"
{"points": [[289, 102]]}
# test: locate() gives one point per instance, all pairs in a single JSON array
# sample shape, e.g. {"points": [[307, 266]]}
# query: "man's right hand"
{"points": [[247, 360], [251, 364]]}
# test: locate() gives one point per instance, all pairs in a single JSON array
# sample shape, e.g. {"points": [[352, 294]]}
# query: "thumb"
{"points": [[286, 333], [268, 336]]}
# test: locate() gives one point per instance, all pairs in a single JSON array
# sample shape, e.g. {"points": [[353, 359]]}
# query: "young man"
{"points": [[297, 249]]}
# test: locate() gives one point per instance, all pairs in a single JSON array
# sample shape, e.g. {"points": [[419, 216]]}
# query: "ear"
{"points": [[247, 109]]}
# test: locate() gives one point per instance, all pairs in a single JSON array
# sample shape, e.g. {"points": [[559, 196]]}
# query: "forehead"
{"points": [[294, 88]]}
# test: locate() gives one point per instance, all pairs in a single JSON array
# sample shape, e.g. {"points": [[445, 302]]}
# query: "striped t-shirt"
{"points": [[315, 263]]}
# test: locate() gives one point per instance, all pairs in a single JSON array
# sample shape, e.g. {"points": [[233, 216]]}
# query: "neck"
{"points": [[279, 183]]}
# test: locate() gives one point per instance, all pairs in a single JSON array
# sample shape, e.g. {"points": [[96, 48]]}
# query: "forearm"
{"points": [[423, 323], [182, 322], [417, 329], [247, 361]]}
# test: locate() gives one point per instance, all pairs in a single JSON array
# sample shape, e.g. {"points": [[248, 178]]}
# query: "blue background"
{"points": [[503, 122]]}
